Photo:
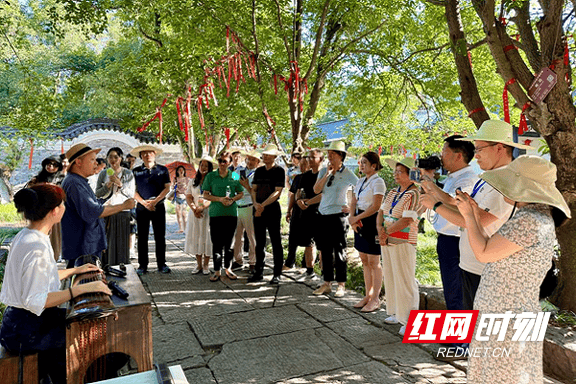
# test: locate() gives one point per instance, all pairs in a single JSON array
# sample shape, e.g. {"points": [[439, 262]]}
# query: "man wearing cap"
{"points": [[152, 185], [494, 146], [82, 225], [267, 187], [245, 214]]}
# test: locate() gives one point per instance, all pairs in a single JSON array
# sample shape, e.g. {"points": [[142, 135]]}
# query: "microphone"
{"points": [[118, 290], [113, 271]]}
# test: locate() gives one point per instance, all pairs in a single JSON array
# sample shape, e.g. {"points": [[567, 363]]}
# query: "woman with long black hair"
{"points": [[31, 287], [198, 240]]}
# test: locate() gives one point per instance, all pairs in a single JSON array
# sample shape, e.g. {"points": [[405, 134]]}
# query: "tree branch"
{"points": [[344, 49], [158, 42], [529, 43], [281, 25], [319, 39]]}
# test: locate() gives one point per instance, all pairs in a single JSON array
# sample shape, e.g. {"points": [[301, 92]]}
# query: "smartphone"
{"points": [[242, 173], [415, 175]]}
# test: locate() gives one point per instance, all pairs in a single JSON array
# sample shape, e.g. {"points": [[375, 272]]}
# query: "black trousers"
{"points": [[270, 220], [470, 283], [24, 332], [333, 229], [222, 229], [448, 248], [158, 219]]}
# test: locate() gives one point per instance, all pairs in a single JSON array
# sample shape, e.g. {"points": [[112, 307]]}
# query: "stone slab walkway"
{"points": [[234, 332]]}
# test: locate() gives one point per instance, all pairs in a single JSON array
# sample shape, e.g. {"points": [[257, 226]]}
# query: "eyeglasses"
{"points": [[222, 161], [330, 180], [478, 149], [399, 172]]}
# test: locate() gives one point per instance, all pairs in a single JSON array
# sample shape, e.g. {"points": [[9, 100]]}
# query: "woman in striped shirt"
{"points": [[397, 224]]}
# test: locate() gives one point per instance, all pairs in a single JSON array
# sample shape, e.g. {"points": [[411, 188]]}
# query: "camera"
{"points": [[430, 162], [415, 175]]}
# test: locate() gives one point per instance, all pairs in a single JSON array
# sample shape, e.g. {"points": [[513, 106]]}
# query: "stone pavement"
{"points": [[234, 332]]}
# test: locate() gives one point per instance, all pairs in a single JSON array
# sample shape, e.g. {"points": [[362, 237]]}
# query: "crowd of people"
{"points": [[495, 231]]}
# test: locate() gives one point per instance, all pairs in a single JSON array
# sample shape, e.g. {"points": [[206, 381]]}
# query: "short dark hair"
{"points": [[373, 158], [466, 148], [37, 201], [100, 161], [225, 155]]}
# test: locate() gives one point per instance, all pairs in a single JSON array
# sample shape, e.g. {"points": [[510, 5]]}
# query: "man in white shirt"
{"points": [[456, 156], [494, 146]]}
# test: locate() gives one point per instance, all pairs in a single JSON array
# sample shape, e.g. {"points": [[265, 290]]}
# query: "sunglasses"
{"points": [[330, 180], [55, 165], [222, 161]]}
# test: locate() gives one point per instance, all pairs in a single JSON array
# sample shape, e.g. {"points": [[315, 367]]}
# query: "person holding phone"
{"points": [[366, 201], [333, 182], [397, 223]]}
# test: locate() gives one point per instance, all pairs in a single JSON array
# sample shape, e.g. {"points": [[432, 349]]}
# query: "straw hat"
{"points": [[208, 158], [146, 147], [407, 162], [254, 153], [496, 131], [337, 145], [271, 149], [528, 179], [78, 150]]}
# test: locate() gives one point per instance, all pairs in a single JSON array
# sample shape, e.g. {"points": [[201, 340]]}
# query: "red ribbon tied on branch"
{"points": [[31, 153], [505, 100], [158, 116], [523, 126]]}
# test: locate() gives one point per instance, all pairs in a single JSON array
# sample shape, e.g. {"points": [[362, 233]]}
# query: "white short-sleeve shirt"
{"points": [[493, 202], [334, 196], [366, 189], [31, 272]]}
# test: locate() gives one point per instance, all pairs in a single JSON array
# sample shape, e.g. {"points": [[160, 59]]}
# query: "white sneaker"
{"points": [[391, 320], [402, 330]]}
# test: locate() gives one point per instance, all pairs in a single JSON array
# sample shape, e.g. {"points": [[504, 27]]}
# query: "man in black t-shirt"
{"points": [[266, 190], [152, 185]]}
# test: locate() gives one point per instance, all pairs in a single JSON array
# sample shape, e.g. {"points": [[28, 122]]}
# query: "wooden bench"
{"points": [[10, 368]]}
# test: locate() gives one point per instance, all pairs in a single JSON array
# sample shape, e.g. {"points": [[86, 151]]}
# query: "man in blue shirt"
{"points": [[152, 186], [82, 225]]}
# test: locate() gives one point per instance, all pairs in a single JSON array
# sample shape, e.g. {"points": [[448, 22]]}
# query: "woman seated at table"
{"points": [[31, 288]]}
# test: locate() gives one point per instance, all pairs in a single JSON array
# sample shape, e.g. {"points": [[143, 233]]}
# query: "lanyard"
{"points": [[361, 187], [397, 198], [479, 184]]}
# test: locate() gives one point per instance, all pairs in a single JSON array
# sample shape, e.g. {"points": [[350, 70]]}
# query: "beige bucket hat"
{"points": [[78, 150], [496, 131], [146, 147], [337, 145], [254, 153], [407, 162], [528, 179], [271, 149]]}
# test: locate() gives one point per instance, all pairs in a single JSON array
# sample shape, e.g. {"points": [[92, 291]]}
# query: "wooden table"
{"points": [[130, 332]]}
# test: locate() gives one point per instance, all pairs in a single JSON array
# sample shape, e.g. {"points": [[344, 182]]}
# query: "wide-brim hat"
{"points": [[528, 179], [78, 150], [50, 159], [271, 149], [254, 153], [146, 147], [207, 158], [337, 145], [407, 162], [495, 131], [237, 149]]}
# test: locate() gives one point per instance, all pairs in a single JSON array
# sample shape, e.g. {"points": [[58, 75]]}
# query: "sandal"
{"points": [[371, 307], [231, 275], [361, 303], [214, 278]]}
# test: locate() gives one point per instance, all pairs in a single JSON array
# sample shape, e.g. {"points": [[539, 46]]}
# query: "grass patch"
{"points": [[8, 214]]}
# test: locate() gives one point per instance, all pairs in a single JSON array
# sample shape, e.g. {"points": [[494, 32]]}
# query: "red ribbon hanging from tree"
{"points": [[31, 153], [158, 115], [227, 134], [523, 126], [379, 150], [505, 100], [61, 146]]}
